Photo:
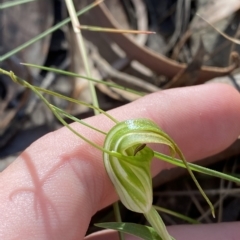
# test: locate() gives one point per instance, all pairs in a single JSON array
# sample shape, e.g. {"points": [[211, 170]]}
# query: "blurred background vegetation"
{"points": [[185, 51]]}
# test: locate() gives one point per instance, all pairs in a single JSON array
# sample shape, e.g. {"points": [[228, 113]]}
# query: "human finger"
{"points": [[59, 182]]}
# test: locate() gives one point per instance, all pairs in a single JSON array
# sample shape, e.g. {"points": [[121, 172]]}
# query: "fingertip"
{"points": [[203, 120]]}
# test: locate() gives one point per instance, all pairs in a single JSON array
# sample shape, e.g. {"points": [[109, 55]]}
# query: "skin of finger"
{"points": [[220, 231], [59, 182]]}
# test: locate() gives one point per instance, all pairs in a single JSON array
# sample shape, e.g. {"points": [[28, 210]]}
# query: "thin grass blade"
{"points": [[67, 73], [113, 30], [45, 33], [13, 3]]}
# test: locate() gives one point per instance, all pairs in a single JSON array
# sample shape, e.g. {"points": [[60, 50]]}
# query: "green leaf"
{"points": [[197, 168], [144, 232]]}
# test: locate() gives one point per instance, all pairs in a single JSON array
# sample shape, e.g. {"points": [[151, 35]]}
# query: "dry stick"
{"points": [[197, 204], [82, 49], [216, 204], [123, 77], [207, 212], [179, 45], [178, 28], [236, 35], [221, 199], [221, 195]]}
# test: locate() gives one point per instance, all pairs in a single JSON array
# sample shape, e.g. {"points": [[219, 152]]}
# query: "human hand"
{"points": [[55, 186]]}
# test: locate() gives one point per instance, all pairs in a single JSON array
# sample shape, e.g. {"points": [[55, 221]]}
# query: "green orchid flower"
{"points": [[129, 167]]}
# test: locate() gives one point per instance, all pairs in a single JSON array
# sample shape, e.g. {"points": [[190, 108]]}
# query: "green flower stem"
{"points": [[157, 223], [118, 217]]}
